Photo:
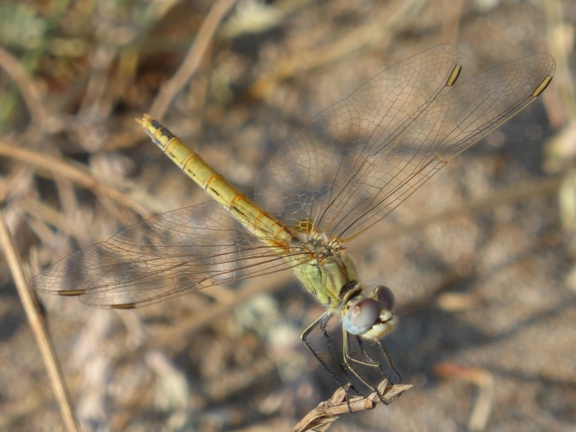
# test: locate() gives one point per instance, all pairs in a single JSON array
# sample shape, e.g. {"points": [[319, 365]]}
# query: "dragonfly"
{"points": [[331, 182]]}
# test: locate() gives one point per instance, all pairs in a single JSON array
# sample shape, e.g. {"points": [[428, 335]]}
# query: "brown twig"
{"points": [[377, 33], [485, 383], [327, 412], [26, 85], [34, 316], [192, 60], [75, 173]]}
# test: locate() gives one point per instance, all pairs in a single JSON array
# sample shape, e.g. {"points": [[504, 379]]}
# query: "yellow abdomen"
{"points": [[262, 224]]}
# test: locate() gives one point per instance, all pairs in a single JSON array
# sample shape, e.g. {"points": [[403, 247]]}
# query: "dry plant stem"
{"points": [[327, 412], [482, 407], [50, 216], [75, 173], [93, 103], [486, 386], [192, 60], [377, 33], [25, 84], [36, 321]]}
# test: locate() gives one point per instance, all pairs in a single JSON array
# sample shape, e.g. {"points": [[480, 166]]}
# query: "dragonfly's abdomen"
{"points": [[259, 222]]}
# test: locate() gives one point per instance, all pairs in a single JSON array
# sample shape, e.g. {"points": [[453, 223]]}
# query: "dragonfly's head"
{"points": [[372, 316]]}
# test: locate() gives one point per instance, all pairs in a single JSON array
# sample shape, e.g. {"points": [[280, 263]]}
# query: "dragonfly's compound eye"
{"points": [[362, 316], [385, 297]]}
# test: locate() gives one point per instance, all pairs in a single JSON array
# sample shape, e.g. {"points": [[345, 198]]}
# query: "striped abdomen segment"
{"points": [[259, 222]]}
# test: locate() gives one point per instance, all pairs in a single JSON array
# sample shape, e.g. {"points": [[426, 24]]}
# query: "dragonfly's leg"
{"points": [[354, 363], [369, 360], [321, 323], [386, 354], [336, 356], [383, 351], [389, 359]]}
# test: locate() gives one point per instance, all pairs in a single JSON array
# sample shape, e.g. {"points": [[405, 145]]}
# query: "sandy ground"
{"points": [[478, 258]]}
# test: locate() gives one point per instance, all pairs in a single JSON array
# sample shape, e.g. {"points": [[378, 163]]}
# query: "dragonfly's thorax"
{"points": [[328, 270], [319, 245]]}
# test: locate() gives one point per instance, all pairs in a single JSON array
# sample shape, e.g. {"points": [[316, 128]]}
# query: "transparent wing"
{"points": [[169, 255], [358, 160]]}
